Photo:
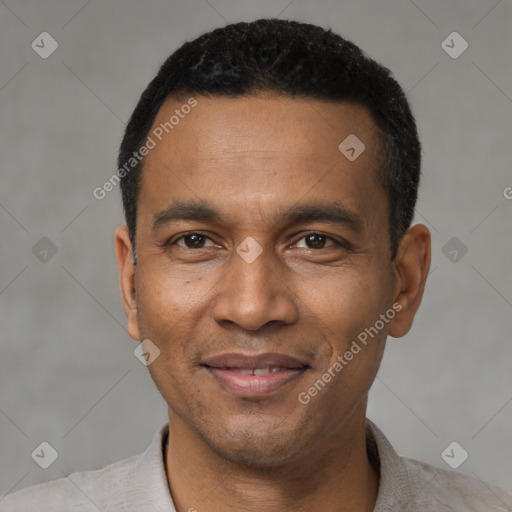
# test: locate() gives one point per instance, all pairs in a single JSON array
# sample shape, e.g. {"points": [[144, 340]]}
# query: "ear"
{"points": [[411, 267], [126, 269]]}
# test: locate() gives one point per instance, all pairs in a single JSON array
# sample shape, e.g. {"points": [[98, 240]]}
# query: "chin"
{"points": [[257, 454], [264, 446]]}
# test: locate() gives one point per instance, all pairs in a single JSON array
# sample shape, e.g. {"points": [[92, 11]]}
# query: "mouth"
{"points": [[255, 376]]}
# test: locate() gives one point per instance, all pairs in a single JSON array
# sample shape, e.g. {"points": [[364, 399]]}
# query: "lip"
{"points": [[245, 361], [226, 369]]}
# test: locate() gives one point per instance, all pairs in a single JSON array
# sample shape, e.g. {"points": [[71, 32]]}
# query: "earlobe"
{"points": [[411, 268], [126, 271]]}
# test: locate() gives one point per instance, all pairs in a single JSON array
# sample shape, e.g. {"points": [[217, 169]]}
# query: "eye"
{"points": [[192, 241], [317, 241]]}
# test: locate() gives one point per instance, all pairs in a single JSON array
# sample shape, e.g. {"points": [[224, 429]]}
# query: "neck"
{"points": [[334, 477]]}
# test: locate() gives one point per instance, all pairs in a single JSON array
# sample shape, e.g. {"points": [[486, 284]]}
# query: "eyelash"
{"points": [[170, 243]]}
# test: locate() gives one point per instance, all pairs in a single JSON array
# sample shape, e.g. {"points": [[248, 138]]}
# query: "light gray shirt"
{"points": [[139, 484]]}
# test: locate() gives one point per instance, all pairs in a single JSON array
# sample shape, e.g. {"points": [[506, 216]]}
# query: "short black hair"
{"points": [[295, 59]]}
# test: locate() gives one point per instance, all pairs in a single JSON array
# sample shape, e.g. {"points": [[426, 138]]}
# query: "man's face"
{"points": [[212, 303]]}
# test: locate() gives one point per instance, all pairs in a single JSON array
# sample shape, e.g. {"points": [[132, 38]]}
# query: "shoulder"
{"points": [[84, 491], [410, 485], [136, 483], [446, 489]]}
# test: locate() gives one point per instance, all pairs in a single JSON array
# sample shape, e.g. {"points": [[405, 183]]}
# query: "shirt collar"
{"points": [[149, 478], [394, 481]]}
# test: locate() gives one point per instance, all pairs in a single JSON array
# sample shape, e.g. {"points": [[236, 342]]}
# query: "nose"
{"points": [[253, 294]]}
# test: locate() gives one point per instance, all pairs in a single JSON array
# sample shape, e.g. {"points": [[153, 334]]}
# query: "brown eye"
{"points": [[192, 241], [316, 241]]}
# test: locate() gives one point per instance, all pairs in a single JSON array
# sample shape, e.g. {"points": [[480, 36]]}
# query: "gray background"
{"points": [[68, 375]]}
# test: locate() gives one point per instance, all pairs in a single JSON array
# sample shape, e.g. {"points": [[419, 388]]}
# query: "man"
{"points": [[269, 176]]}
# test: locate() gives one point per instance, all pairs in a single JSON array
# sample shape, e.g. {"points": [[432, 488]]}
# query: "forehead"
{"points": [[251, 123], [262, 151]]}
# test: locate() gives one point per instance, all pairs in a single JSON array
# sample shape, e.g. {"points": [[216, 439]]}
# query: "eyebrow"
{"points": [[202, 211]]}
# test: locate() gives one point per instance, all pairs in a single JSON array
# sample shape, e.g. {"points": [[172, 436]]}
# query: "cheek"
{"points": [[164, 316], [352, 303], [167, 316], [348, 301], [164, 297]]}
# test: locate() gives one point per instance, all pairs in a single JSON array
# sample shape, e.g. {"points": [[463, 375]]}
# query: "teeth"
{"points": [[266, 371], [261, 371], [257, 371]]}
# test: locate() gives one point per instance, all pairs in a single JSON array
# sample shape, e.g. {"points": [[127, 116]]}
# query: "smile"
{"points": [[254, 376]]}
